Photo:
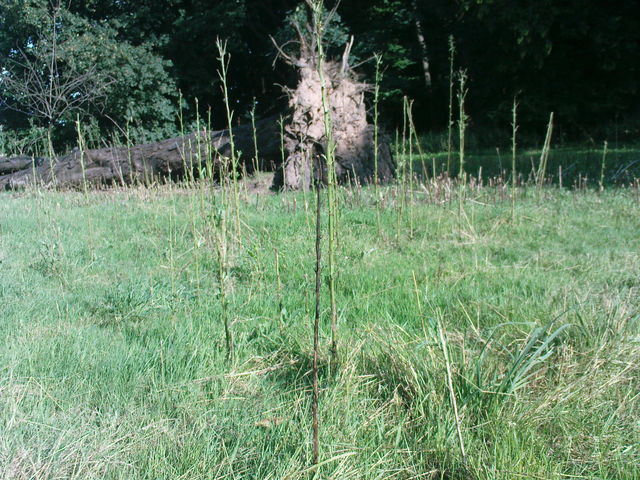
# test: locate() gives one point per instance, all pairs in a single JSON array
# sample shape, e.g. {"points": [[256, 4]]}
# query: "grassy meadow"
{"points": [[466, 324]]}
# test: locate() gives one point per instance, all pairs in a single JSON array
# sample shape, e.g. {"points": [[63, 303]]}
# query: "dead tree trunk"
{"points": [[173, 158], [353, 137]]}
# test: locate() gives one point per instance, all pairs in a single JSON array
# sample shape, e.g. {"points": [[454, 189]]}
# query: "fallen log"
{"points": [[14, 164], [173, 158]]}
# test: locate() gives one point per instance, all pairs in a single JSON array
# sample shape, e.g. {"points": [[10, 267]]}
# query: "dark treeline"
{"points": [[135, 68]]}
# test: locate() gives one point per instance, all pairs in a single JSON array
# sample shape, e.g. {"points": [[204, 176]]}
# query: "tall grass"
{"points": [[452, 53], [256, 161], [113, 367], [603, 164], [224, 60], [452, 393], [462, 124]]}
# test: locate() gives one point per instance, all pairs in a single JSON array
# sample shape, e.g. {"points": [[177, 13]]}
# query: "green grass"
{"points": [[112, 354], [623, 164]]}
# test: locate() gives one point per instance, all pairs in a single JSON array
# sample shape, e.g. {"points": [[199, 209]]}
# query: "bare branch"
{"points": [[345, 56], [281, 53], [37, 85]]}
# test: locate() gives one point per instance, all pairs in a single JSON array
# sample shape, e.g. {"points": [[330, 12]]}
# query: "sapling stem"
{"points": [[319, 30]]}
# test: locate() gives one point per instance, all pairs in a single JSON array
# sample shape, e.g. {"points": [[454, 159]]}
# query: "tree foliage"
{"points": [[579, 59]]}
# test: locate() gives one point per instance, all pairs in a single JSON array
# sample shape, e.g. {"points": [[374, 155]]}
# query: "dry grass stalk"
{"points": [[544, 156]]}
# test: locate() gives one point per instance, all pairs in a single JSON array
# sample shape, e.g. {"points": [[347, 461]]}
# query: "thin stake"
{"points": [[316, 335], [514, 174], [222, 73]]}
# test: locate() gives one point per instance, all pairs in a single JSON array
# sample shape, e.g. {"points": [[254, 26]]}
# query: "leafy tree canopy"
{"points": [[579, 59]]}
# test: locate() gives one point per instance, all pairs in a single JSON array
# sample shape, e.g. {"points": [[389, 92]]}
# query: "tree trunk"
{"points": [[172, 158], [423, 46], [15, 164]]}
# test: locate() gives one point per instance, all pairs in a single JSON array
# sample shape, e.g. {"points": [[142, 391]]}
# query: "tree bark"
{"points": [[14, 164], [423, 45]]}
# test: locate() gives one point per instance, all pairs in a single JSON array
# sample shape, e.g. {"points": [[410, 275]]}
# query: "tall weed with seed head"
{"points": [[376, 97], [452, 53], [224, 60], [376, 140], [256, 161], [411, 160], [81, 152], [463, 121]]}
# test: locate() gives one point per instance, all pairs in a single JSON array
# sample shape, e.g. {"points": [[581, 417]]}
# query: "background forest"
{"points": [[141, 66]]}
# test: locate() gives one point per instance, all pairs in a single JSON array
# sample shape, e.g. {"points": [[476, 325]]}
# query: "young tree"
{"points": [[58, 65], [37, 81]]}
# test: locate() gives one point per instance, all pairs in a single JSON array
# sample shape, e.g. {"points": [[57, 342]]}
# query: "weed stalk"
{"points": [[462, 123], [319, 30], [602, 166], [224, 60], [452, 53], [256, 166]]}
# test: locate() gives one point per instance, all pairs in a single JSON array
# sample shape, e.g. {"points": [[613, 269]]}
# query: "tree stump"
{"points": [[353, 137]]}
